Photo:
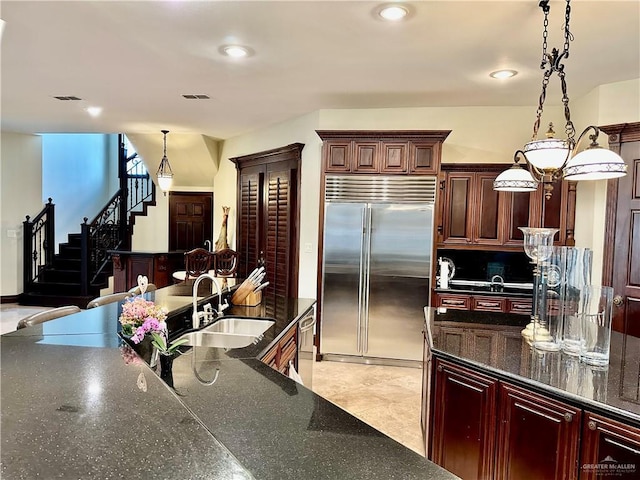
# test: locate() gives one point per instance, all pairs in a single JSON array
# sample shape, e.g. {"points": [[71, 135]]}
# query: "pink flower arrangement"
{"points": [[141, 317]]}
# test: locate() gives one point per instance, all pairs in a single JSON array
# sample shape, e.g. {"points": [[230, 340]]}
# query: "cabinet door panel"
{"points": [[519, 215], [610, 445], [424, 158], [538, 437], [488, 216], [366, 157], [394, 157], [338, 156], [464, 421], [458, 205]]}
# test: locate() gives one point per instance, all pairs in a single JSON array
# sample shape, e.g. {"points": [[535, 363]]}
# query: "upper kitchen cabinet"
{"points": [[474, 216], [472, 211], [414, 152]]}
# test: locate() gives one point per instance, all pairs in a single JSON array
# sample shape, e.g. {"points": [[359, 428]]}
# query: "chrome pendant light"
{"points": [[164, 174], [551, 158]]}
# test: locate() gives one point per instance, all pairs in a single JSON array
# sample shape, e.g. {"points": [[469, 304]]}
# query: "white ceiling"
{"points": [[135, 59]]}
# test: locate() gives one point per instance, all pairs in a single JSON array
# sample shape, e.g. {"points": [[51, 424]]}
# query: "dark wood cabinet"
{"points": [[158, 267], [481, 426], [268, 219], [483, 303], [473, 210], [385, 151], [472, 215], [609, 449], [537, 437], [464, 411]]}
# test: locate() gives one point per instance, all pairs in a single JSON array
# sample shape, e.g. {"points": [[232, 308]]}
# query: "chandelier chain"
{"points": [[552, 63]]}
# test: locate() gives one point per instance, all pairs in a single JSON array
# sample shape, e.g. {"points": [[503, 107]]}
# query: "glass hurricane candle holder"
{"points": [[538, 245]]}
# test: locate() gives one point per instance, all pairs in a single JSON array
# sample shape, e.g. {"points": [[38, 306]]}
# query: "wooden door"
{"points": [[609, 449], [538, 437], [190, 220], [250, 218], [621, 267], [463, 421]]}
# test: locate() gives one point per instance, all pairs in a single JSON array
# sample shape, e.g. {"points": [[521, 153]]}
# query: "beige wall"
{"points": [[20, 195], [479, 134]]}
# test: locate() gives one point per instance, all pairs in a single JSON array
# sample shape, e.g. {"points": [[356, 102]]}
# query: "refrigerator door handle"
{"points": [[361, 286], [367, 278]]}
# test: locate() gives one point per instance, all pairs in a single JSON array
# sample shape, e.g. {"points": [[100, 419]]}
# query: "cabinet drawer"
{"points": [[456, 302], [488, 304], [522, 307]]}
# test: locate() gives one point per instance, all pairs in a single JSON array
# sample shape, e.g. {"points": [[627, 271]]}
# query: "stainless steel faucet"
{"points": [[497, 282], [196, 316], [208, 243]]}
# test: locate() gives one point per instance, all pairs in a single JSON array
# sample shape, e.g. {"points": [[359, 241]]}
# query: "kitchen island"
{"points": [[498, 408], [76, 403]]}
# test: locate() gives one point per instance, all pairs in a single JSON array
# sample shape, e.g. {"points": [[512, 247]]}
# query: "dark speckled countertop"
{"points": [[74, 405], [493, 344]]}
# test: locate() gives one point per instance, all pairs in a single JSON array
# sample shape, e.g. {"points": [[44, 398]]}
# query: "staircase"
{"points": [[82, 268], [60, 283]]}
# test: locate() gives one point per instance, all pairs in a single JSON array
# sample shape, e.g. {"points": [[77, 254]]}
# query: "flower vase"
{"points": [[166, 368]]}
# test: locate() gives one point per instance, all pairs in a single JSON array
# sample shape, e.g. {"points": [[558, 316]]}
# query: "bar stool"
{"points": [[105, 299], [196, 262], [47, 315]]}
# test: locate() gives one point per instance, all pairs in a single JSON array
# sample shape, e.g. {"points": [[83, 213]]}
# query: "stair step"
{"points": [[60, 263], [74, 239], [64, 288], [70, 251]]}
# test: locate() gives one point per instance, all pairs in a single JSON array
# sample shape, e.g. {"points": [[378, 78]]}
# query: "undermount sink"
{"points": [[240, 326], [233, 332]]}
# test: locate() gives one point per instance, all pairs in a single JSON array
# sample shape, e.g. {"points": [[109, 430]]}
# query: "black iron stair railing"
{"points": [[38, 244]]}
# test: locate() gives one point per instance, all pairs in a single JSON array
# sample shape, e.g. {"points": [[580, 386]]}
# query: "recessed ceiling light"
{"points": [[235, 51], [94, 111], [503, 74], [393, 12]]}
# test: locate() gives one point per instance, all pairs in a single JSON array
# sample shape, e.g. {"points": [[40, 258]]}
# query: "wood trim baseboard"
{"points": [[10, 298]]}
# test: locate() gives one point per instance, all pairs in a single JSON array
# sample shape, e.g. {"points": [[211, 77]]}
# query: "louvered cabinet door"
{"points": [[279, 226], [250, 206]]}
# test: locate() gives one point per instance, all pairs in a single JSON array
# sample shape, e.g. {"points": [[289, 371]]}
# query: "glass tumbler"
{"points": [[595, 324], [577, 274]]}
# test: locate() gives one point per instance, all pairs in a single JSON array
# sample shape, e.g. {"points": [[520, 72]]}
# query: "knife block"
{"points": [[252, 300]]}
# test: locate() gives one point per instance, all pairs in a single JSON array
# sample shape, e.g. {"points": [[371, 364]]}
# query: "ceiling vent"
{"points": [[197, 97], [67, 97]]}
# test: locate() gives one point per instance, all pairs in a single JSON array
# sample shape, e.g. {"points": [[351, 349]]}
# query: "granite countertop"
{"points": [[76, 403], [613, 390], [486, 291]]}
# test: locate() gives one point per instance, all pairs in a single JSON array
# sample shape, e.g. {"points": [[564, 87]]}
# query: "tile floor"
{"points": [[387, 398], [10, 313]]}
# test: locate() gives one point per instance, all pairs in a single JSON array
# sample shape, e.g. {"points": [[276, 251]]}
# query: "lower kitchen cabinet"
{"points": [[609, 449], [483, 303], [537, 437], [482, 427], [463, 428]]}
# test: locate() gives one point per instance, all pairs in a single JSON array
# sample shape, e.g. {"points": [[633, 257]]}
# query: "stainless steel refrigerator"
{"points": [[378, 241]]}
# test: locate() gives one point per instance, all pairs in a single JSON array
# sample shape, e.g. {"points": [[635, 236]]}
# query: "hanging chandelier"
{"points": [[550, 158], [164, 174]]}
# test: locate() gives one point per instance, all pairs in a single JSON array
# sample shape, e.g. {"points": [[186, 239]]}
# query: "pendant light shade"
{"points": [[165, 174], [548, 154], [515, 179], [595, 163]]}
